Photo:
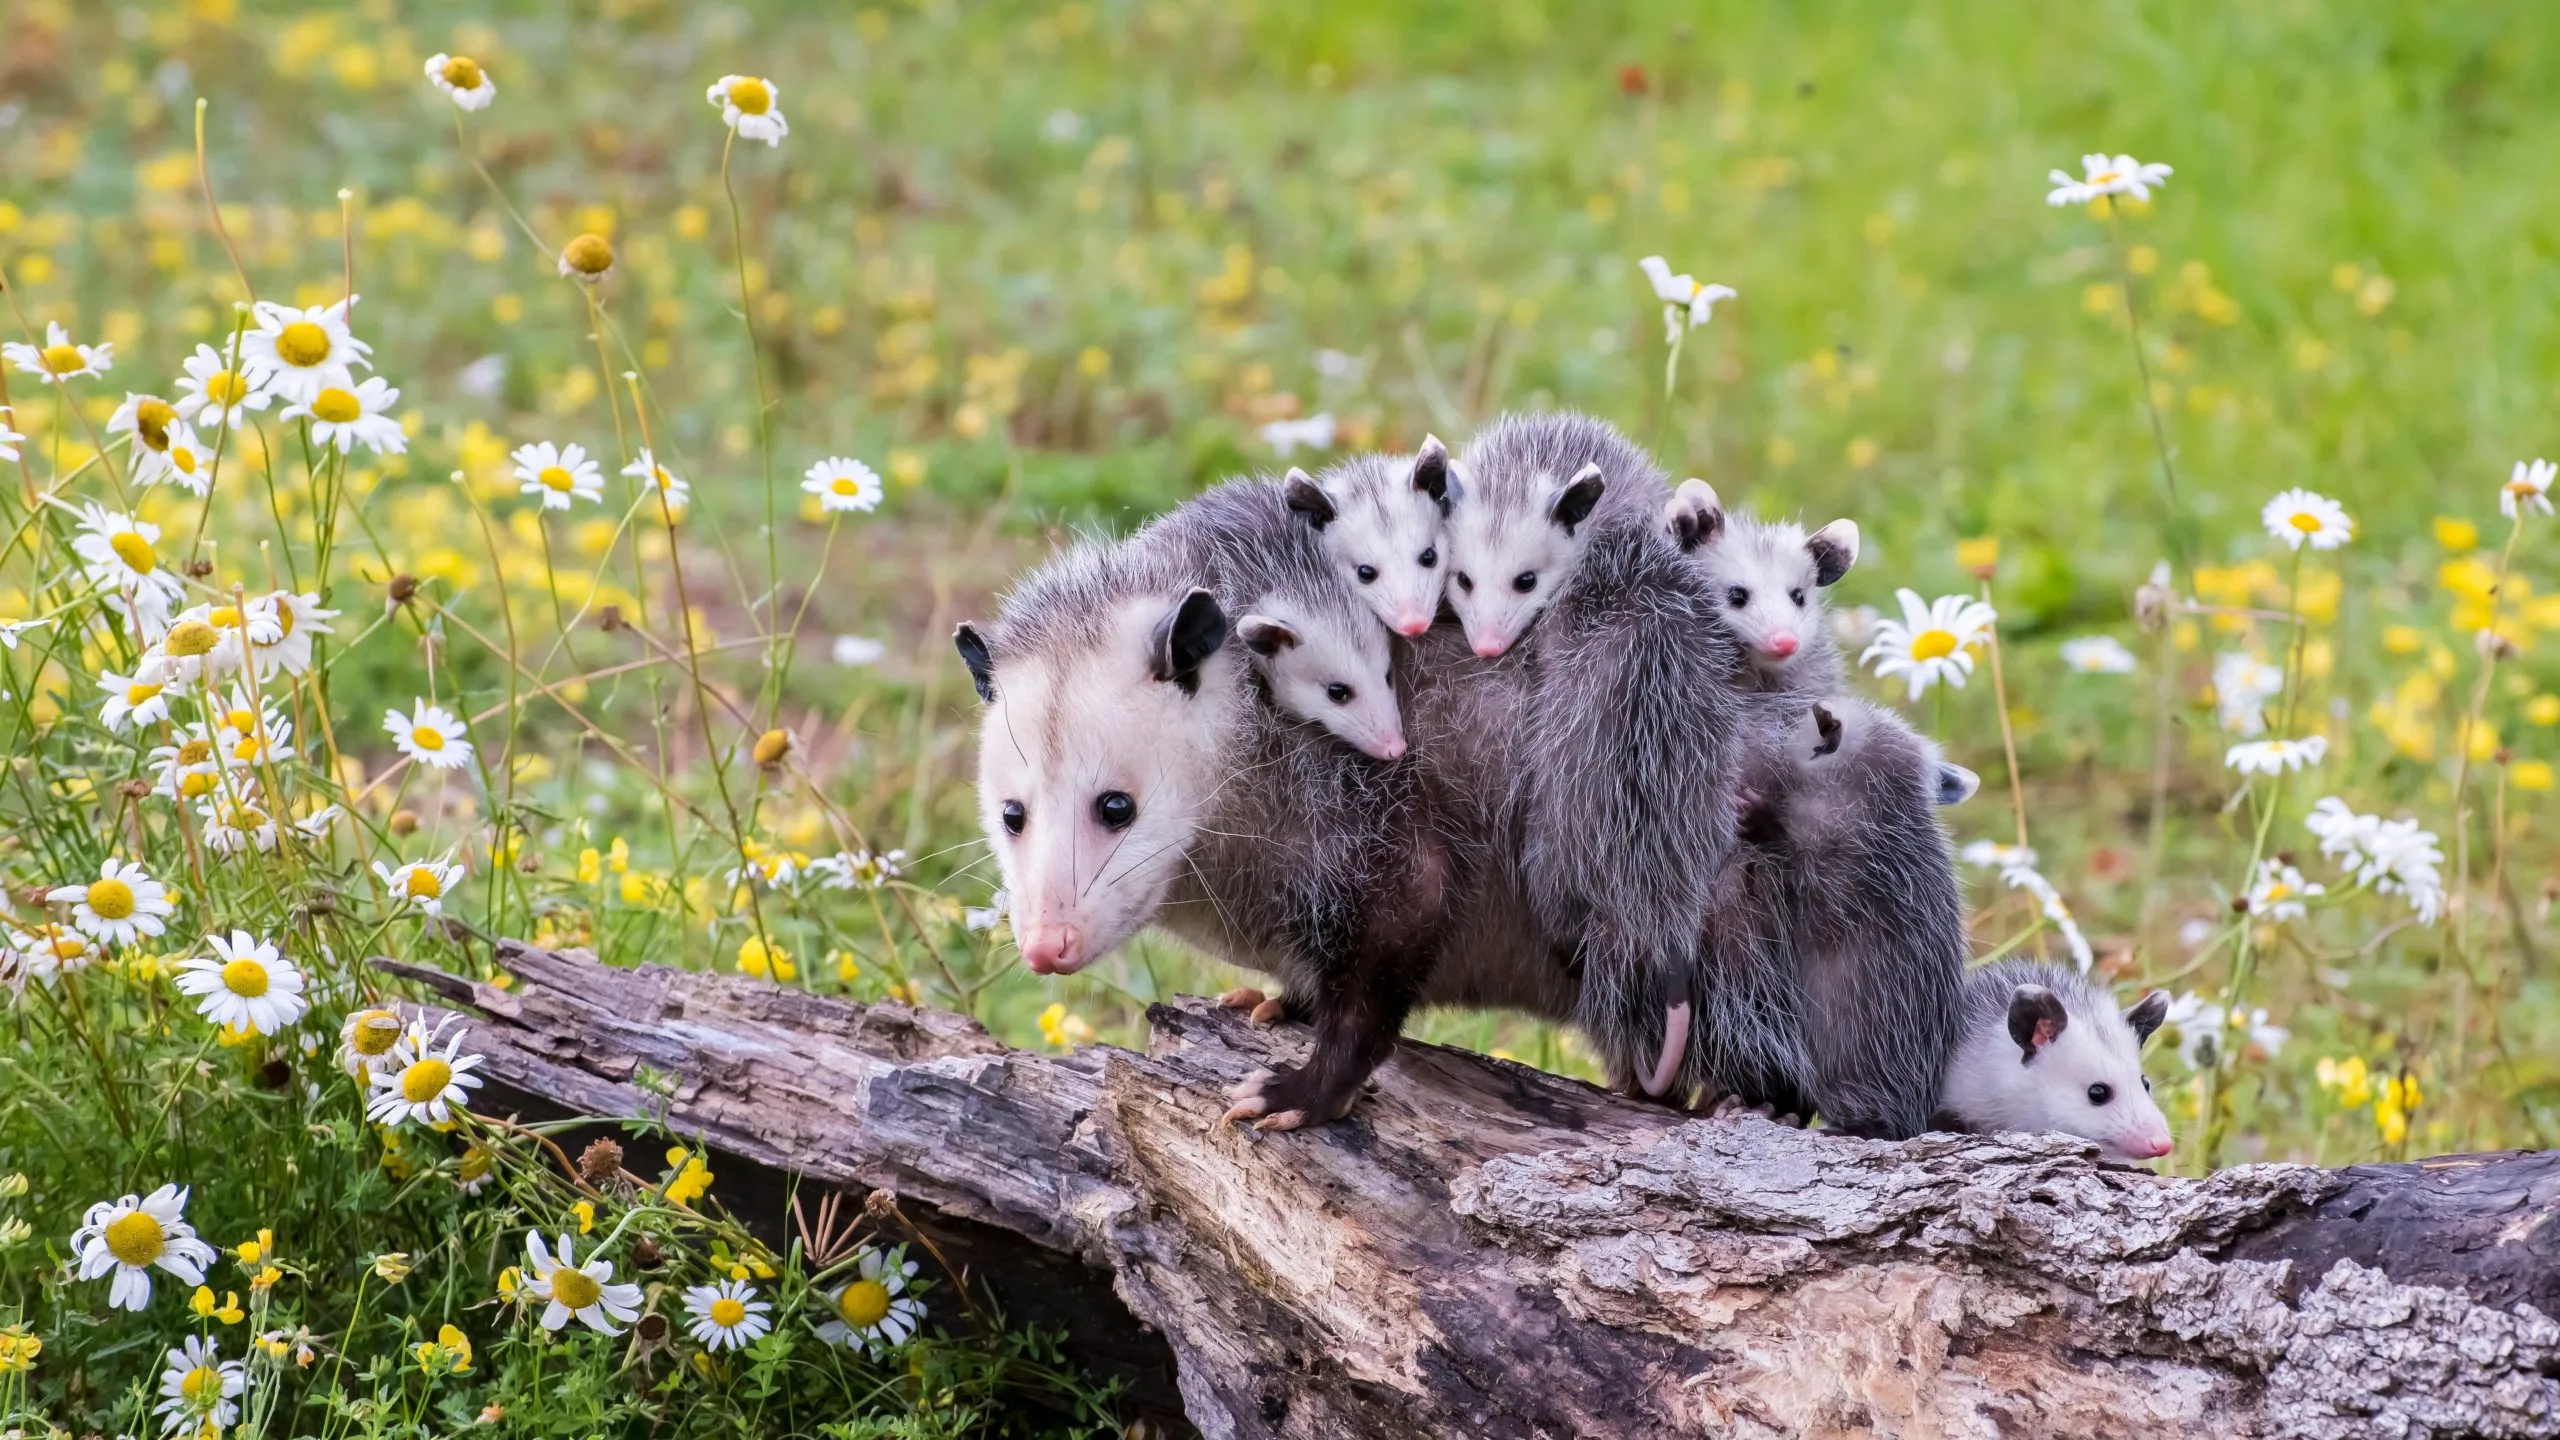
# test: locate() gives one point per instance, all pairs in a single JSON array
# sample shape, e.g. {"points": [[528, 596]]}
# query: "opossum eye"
{"points": [[1338, 693], [1115, 809], [2146, 1084], [2101, 1093], [1797, 595], [1736, 596], [1014, 817], [1525, 581], [1367, 573], [1429, 557], [1466, 582]]}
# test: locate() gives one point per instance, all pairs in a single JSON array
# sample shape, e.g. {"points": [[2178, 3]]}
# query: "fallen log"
{"points": [[1486, 1250]]}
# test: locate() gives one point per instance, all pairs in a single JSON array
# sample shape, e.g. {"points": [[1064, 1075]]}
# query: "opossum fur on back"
{"points": [[1624, 809], [1853, 869], [2045, 1049]]}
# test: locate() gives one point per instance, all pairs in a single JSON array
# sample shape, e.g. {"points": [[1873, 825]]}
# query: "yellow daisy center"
{"points": [[245, 817], [374, 1032], [2304, 521], [67, 946], [727, 1313], [240, 720], [136, 1239], [575, 1288], [245, 977], [846, 485], [249, 748], [1933, 644], [225, 388], [425, 1081], [462, 73], [863, 1304], [665, 480], [189, 637], [112, 899], [195, 752], [134, 551], [750, 95], [284, 616], [196, 786], [202, 1384], [151, 420], [184, 459], [336, 406], [422, 884], [2278, 891], [139, 694], [426, 737], [589, 254], [302, 343], [62, 359], [555, 477]]}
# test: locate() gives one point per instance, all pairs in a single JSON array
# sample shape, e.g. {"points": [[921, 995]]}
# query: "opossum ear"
{"points": [[1956, 784], [1431, 471], [973, 653], [1573, 503], [1834, 549], [1308, 498], [1188, 634], [2146, 1015], [1826, 725], [2036, 1019], [1693, 514], [1265, 636]]}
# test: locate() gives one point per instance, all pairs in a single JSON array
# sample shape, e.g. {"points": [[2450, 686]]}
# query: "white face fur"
{"points": [[1768, 578], [1506, 562], [1381, 521], [1093, 776], [2086, 1080], [1330, 667]]}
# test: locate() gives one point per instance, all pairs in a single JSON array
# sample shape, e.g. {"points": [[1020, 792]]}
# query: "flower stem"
{"points": [[2008, 736]]}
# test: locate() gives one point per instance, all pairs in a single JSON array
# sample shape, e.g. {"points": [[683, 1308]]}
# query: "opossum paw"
{"points": [[1269, 1012], [1247, 1093], [1243, 997], [1285, 1120], [1285, 1099]]}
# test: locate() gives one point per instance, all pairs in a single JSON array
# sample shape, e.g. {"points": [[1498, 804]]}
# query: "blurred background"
{"points": [[1055, 267]]}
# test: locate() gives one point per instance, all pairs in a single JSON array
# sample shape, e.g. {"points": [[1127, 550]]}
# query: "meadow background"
{"points": [[1055, 267]]}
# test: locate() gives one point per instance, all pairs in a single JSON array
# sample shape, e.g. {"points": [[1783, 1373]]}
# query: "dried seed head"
{"points": [[133, 789], [599, 1162], [609, 619], [199, 568], [2156, 600], [2493, 645], [880, 1206], [404, 822], [646, 1253], [404, 587], [653, 1329]]}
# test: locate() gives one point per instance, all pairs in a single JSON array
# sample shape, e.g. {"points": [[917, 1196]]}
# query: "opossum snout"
{"points": [[1388, 747], [1780, 645], [1412, 623], [2152, 1145], [1053, 949]]}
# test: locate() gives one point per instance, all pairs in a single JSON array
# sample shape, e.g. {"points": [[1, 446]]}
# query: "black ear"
{"points": [[1265, 636], [1308, 499], [1188, 634], [1431, 471], [1694, 514], [2146, 1014], [1826, 725], [1834, 549], [973, 653], [1956, 784], [1573, 505], [2035, 1019]]}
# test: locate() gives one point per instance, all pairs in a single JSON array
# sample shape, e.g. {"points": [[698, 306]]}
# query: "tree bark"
{"points": [[1485, 1250]]}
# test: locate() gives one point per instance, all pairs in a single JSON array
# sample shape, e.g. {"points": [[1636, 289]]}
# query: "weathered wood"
{"points": [[1485, 1250]]}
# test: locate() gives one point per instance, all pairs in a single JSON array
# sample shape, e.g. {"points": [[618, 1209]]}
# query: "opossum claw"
{"points": [[1675, 1048], [1247, 1093], [1269, 1012], [1243, 997], [1285, 1120]]}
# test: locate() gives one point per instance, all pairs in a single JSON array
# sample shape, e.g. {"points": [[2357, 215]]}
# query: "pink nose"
{"points": [[1052, 949], [1391, 748], [1412, 624], [1491, 647], [2153, 1146], [1781, 644]]}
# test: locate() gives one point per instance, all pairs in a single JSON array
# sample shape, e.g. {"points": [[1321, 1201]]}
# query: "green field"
{"points": [[1053, 268]]}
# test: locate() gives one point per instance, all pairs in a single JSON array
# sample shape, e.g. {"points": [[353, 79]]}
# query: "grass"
{"points": [[1053, 267]]}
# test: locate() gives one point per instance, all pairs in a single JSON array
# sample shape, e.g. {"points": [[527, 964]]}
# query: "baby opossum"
{"points": [[1381, 518], [1768, 578], [2043, 1049], [1848, 863]]}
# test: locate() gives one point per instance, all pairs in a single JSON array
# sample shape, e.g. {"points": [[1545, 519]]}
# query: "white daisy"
{"points": [[186, 462], [842, 483], [751, 106], [198, 1388], [346, 417], [11, 630], [298, 617], [213, 394], [131, 701], [558, 474], [2106, 175], [188, 770], [852, 869], [2394, 856], [253, 731], [2275, 757], [585, 1292], [726, 1316], [117, 550], [315, 826], [9, 439], [423, 883], [678, 493], [1931, 642], [366, 1038], [147, 419], [235, 825], [57, 361], [1285, 437], [119, 907], [131, 1235], [430, 735], [2298, 515], [873, 1311], [418, 1082], [2528, 487], [299, 353], [246, 983], [2242, 686], [461, 77], [1686, 304], [2098, 655], [2279, 890], [41, 952]]}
